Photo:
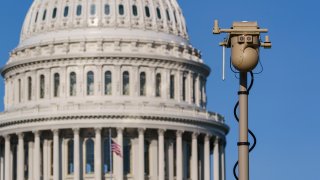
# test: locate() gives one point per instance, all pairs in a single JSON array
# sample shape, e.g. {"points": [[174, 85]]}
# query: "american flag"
{"points": [[116, 148]]}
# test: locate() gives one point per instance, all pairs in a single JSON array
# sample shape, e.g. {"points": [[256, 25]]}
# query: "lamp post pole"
{"points": [[243, 145]]}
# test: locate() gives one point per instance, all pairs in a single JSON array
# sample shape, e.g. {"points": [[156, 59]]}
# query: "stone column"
{"points": [[161, 154], [120, 159], [20, 168], [194, 156], [223, 162], [36, 156], [2, 163], [76, 154], [45, 160], [216, 160], [97, 156], [171, 160], [179, 155], [7, 165], [56, 155], [207, 157], [141, 154], [30, 160]]}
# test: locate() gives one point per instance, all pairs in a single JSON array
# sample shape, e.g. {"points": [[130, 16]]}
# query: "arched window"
{"points": [[134, 10], [175, 17], [93, 9], [121, 9], [42, 88], [19, 89], [107, 83], [158, 13], [147, 10], [89, 156], [158, 85], [106, 9], [184, 89], [54, 13], [56, 86], [70, 157], [127, 156], [79, 10], [125, 83], [66, 11], [201, 92], [172, 93], [106, 154], [36, 19], [44, 15], [168, 15], [90, 83], [73, 84], [29, 88], [142, 84]]}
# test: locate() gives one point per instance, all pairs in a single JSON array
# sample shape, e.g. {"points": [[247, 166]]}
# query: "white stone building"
{"points": [[84, 67]]}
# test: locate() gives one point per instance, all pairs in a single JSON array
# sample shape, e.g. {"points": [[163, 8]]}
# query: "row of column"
{"points": [[218, 167]]}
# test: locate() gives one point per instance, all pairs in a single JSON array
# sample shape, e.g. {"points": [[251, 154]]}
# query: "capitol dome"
{"points": [[101, 89]]}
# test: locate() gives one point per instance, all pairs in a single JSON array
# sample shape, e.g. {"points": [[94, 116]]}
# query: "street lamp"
{"points": [[244, 41]]}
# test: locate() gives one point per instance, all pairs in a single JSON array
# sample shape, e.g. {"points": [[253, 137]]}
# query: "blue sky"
{"points": [[284, 99]]}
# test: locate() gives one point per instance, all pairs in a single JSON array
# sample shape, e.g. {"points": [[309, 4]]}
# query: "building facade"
{"points": [[88, 70]]}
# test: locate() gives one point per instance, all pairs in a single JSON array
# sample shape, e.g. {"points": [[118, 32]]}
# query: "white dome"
{"points": [[49, 20], [90, 71]]}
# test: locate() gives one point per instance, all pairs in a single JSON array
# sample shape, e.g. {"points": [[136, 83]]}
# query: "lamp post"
{"points": [[244, 41]]}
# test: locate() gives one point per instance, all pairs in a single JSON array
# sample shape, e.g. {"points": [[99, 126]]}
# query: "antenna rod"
{"points": [[223, 62]]}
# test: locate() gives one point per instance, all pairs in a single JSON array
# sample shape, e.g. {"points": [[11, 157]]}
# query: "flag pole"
{"points": [[110, 153]]}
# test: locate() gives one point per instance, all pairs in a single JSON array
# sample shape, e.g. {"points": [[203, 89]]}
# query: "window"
{"points": [[106, 9], [54, 13], [146, 157], [70, 157], [175, 17], [79, 10], [66, 11], [142, 84], [158, 13], [44, 15], [42, 81], [56, 86], [134, 10], [172, 86], [107, 83], [29, 88], [121, 9], [127, 156], [184, 82], [93, 9], [147, 11], [89, 156], [107, 152], [90, 83], [158, 85], [188, 159], [19, 89], [125, 83], [168, 15], [36, 19], [73, 84]]}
